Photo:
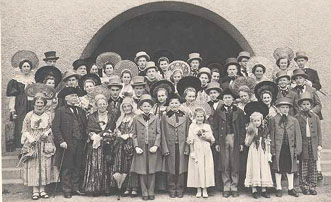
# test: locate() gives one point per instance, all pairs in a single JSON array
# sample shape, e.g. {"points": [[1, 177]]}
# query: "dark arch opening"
{"points": [[179, 27]]}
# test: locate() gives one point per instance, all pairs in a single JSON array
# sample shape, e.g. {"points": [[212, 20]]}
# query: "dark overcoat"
{"points": [[219, 131], [315, 134], [313, 77], [146, 132], [294, 138], [169, 130], [62, 130]]}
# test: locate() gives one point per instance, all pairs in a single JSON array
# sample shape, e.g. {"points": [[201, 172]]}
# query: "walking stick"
{"points": [[57, 180]]}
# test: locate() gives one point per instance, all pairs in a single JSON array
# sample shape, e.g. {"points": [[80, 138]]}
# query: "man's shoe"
{"points": [[180, 195], [313, 192], [279, 193], [235, 194], [172, 195], [226, 194], [151, 197], [145, 198], [255, 195], [67, 195], [305, 192], [78, 193], [265, 194], [292, 192]]}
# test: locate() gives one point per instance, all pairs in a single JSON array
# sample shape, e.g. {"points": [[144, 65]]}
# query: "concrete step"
{"points": [[9, 161], [11, 173], [326, 154], [326, 166], [16, 186]]}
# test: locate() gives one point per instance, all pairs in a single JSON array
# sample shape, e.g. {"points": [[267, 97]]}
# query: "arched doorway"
{"points": [[179, 27]]}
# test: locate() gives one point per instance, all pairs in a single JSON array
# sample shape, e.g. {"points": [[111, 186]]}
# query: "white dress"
{"points": [[200, 173]]}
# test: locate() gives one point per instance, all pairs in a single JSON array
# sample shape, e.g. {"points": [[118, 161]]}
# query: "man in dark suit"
{"points": [[313, 80], [69, 126], [232, 68]]}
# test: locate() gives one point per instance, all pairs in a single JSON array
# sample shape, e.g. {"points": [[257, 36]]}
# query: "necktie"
{"points": [[284, 92], [300, 89], [283, 120]]}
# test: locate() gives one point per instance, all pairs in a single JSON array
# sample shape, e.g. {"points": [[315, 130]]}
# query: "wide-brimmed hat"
{"points": [[115, 81], [21, 55], [243, 54], [266, 86], [264, 63], [179, 64], [299, 72], [175, 96], [280, 75], [107, 57], [243, 81], [141, 54], [300, 54], [48, 71], [165, 84], [68, 74], [39, 88], [256, 106], [138, 81], [194, 56], [126, 65], [188, 82], [163, 54], [231, 61], [149, 65], [68, 91], [50, 55], [78, 63], [204, 70], [214, 86], [284, 101], [228, 91], [284, 52], [305, 96], [146, 98], [89, 77]]}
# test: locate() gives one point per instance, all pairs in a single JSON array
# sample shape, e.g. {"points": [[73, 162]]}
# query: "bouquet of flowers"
{"points": [[201, 133]]}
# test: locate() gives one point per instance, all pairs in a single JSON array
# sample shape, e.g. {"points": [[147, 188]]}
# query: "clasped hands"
{"points": [[140, 151]]}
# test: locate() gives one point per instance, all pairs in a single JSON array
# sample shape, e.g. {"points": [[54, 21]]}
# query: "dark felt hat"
{"points": [[284, 101], [266, 86], [305, 96], [48, 71], [256, 106], [187, 82], [163, 54], [93, 77], [282, 74], [68, 74], [115, 81], [243, 54], [231, 61], [68, 91], [146, 98], [50, 55], [176, 96], [78, 63], [300, 54], [167, 85], [299, 72], [228, 91]]}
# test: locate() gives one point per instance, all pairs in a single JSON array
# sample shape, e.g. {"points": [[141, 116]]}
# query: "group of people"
{"points": [[130, 127]]}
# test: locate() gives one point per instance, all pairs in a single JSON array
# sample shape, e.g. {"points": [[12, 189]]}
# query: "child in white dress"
{"points": [[201, 164]]}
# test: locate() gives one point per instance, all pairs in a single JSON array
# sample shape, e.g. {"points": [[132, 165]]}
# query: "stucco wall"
{"points": [[68, 26]]}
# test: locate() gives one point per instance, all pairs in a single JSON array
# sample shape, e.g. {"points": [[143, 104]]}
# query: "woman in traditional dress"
{"points": [[107, 61], [283, 57], [161, 91], [124, 147], [126, 70], [87, 83], [99, 157], [266, 92], [19, 104], [38, 144]]}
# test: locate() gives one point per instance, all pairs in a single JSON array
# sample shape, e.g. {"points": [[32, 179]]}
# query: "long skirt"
{"points": [[94, 170], [258, 172], [39, 171]]}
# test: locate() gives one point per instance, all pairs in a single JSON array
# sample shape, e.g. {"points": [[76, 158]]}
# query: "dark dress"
{"points": [[22, 107], [123, 156], [99, 162]]}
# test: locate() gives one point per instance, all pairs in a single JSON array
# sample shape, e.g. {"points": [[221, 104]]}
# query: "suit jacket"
{"points": [[63, 130], [146, 132], [317, 105], [294, 139], [169, 130], [313, 77], [219, 131], [315, 134]]}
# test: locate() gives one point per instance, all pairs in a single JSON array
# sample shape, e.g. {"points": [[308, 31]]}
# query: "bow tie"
{"points": [[300, 88], [146, 117], [232, 78], [178, 113], [214, 101], [228, 108], [203, 88], [306, 113], [284, 91]]}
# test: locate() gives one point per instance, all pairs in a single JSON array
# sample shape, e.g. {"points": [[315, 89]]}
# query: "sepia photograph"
{"points": [[185, 100]]}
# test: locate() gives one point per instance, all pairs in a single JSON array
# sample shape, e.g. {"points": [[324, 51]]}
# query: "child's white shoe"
{"points": [[198, 195], [204, 193]]}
